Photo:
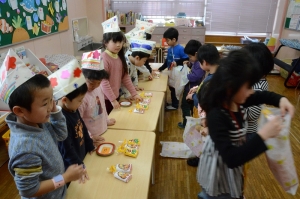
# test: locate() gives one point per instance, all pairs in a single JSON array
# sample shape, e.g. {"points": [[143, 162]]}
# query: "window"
{"points": [[237, 17]]}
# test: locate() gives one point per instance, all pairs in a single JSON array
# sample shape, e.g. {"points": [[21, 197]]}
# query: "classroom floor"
{"points": [[175, 179]]}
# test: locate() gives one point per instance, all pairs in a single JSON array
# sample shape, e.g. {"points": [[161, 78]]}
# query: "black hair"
{"points": [[117, 37], [140, 54], [262, 55], [234, 71], [78, 91], [208, 53], [23, 96], [95, 74], [171, 33], [148, 36], [192, 47]]}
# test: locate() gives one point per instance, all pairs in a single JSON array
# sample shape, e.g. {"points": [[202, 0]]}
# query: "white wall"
{"points": [[60, 43]]}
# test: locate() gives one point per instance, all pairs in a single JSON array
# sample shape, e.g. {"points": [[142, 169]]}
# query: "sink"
{"points": [[91, 47]]}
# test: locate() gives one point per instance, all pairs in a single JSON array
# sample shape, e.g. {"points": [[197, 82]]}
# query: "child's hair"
{"points": [[192, 47], [117, 37], [23, 96], [208, 53], [148, 36], [77, 92], [233, 72], [95, 74], [262, 55], [140, 54], [171, 33]]}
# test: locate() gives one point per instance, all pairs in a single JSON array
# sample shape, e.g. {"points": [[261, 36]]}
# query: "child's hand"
{"points": [[73, 173], [115, 104], [84, 177], [194, 89], [271, 129], [97, 140], [111, 122], [286, 107], [54, 109], [186, 62], [130, 98], [189, 96], [174, 64], [138, 98], [204, 132], [150, 77], [138, 88]]}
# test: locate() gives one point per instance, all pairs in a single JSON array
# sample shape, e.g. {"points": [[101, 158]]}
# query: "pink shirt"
{"points": [[93, 112], [112, 86]]}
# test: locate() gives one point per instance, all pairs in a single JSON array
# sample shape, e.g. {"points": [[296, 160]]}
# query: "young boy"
{"points": [[92, 109], [195, 77], [136, 58], [69, 89], [175, 57], [208, 56], [35, 161]]}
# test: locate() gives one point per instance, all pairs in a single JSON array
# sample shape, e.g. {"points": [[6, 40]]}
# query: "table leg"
{"points": [[162, 116], [153, 167]]}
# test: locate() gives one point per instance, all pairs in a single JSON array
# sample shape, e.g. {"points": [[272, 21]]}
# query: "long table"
{"points": [[128, 120], [103, 184]]}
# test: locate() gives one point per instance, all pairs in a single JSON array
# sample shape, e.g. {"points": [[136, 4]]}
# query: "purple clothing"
{"points": [[195, 76]]}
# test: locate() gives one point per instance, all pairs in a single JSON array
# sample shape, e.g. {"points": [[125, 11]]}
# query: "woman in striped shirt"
{"points": [[264, 58], [221, 168]]}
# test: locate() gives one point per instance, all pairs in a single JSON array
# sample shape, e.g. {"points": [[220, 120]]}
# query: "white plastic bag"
{"points": [[178, 79], [279, 156], [176, 150], [192, 136]]}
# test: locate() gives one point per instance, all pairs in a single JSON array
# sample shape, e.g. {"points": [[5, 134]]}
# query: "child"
{"points": [[93, 109], [35, 162], [115, 65], [208, 56], [195, 77], [175, 57], [69, 89], [136, 58], [220, 171], [264, 58]]}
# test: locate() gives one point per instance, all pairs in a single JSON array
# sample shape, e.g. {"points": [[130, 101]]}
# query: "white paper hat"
{"points": [[13, 73], [136, 34], [92, 60], [66, 79], [143, 25], [142, 45], [111, 25]]}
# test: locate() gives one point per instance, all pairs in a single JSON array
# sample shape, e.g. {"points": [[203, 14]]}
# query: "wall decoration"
{"points": [[24, 20], [292, 19]]}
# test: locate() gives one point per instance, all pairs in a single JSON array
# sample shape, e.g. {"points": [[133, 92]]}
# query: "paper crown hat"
{"points": [[143, 25], [92, 60], [111, 25], [136, 34], [66, 79], [142, 45], [13, 73]]}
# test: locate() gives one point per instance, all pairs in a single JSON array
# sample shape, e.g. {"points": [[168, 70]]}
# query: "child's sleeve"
{"points": [[183, 57], [124, 91], [129, 85], [196, 74], [82, 108], [105, 85], [89, 145], [26, 169], [58, 124], [144, 70], [164, 66], [263, 97]]}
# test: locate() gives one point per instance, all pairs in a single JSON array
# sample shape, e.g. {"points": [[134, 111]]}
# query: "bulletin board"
{"points": [[292, 20], [23, 20]]}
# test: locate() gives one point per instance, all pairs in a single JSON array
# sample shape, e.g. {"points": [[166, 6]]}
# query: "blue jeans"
{"points": [[204, 195]]}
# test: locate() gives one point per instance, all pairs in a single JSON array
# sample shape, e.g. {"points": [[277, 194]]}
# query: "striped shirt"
{"points": [[253, 112]]}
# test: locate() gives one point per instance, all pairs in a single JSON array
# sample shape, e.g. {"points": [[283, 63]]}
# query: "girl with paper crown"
{"points": [[36, 124], [92, 109], [115, 65], [136, 57], [69, 88]]}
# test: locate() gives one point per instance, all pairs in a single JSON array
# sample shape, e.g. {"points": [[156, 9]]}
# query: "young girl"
{"points": [[264, 58], [220, 171], [115, 65]]}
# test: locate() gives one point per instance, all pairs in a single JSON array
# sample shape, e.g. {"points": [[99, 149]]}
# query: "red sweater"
{"points": [[113, 65]]}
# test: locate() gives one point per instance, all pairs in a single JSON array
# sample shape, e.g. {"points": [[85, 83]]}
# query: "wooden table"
{"points": [[159, 84], [139, 122], [103, 184]]}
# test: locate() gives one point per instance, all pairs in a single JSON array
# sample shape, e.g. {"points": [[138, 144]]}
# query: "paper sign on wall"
{"points": [[13, 4], [29, 22], [44, 2], [41, 13]]}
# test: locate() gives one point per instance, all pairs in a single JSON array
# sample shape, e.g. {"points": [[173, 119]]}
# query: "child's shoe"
{"points": [[193, 162], [180, 125]]}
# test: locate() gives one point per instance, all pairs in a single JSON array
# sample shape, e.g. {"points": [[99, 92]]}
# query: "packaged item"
{"points": [[129, 148], [120, 175], [141, 105], [126, 168], [139, 110]]}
